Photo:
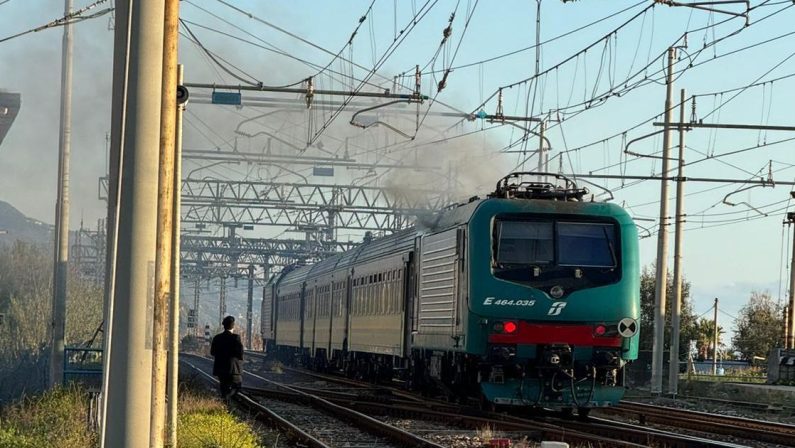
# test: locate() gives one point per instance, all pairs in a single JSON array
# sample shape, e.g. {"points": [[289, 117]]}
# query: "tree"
{"points": [[759, 326], [704, 335], [687, 318], [26, 302]]}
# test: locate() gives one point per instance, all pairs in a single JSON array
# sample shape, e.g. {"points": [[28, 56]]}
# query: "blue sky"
{"points": [[730, 250]]}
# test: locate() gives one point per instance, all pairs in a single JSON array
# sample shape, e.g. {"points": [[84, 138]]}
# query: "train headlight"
{"points": [[510, 327], [499, 327], [599, 330]]}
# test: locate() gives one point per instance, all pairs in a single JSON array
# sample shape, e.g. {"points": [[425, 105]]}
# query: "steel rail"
{"points": [[291, 431], [365, 422], [609, 433], [745, 428]]}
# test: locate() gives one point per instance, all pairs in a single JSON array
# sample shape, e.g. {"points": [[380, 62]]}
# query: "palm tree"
{"points": [[705, 334]]}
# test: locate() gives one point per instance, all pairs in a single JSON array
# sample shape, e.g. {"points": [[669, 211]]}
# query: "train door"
{"points": [[408, 300], [313, 318], [347, 311], [332, 293], [301, 301]]}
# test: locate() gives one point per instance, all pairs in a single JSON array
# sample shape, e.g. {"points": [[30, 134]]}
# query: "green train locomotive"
{"points": [[529, 297]]}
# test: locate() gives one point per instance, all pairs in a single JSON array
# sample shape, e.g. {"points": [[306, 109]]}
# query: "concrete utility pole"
{"points": [[662, 241], [791, 307], [165, 216], [115, 150], [676, 305], [62, 210], [715, 340], [129, 378], [250, 307], [173, 351]]}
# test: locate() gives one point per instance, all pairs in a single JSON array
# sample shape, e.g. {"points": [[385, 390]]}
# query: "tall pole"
{"points": [[62, 209], [222, 300], [196, 308], [129, 377], [791, 314], [541, 163], [121, 44], [676, 306], [250, 307], [173, 351], [715, 339], [662, 241], [165, 216]]}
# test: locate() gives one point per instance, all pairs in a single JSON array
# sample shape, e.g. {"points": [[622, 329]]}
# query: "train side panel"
{"points": [[322, 321], [377, 317], [289, 310], [268, 315], [440, 293]]}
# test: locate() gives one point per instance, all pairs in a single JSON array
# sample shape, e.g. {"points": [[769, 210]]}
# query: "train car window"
{"points": [[524, 242]]}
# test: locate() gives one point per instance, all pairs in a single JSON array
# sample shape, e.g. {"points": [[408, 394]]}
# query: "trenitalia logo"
{"points": [[556, 308]]}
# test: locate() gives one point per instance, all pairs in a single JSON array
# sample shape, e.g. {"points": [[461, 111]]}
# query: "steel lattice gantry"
{"points": [[323, 206], [212, 256], [297, 204]]}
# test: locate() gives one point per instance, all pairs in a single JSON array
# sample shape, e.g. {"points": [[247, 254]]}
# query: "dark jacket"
{"points": [[228, 352]]}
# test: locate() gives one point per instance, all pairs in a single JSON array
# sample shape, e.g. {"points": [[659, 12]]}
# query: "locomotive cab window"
{"points": [[521, 242], [570, 253]]}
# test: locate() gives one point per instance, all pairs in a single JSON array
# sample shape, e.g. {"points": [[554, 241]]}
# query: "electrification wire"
{"points": [[745, 88], [223, 67], [384, 57], [443, 82], [275, 50], [70, 18], [531, 47], [293, 35]]}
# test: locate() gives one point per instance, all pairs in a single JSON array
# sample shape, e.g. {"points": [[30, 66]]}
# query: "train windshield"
{"points": [[524, 242], [586, 244], [558, 243]]}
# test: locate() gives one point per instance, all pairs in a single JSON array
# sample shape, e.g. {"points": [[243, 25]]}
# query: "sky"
{"points": [[601, 69]]}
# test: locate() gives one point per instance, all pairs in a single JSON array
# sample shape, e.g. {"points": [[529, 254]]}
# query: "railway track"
{"points": [[398, 403], [702, 422], [319, 423]]}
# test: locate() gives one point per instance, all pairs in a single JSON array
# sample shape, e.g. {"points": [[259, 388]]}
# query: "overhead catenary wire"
{"points": [[73, 17]]}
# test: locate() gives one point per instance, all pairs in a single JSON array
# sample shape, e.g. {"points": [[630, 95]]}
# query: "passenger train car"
{"points": [[529, 297]]}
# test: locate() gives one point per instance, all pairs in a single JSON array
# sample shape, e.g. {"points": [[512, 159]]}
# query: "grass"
{"points": [[56, 418], [204, 422], [59, 418]]}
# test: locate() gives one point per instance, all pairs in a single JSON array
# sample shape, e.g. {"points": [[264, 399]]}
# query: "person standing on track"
{"points": [[228, 365]]}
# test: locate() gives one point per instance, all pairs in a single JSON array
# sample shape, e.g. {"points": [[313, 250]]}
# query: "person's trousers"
{"points": [[229, 385]]}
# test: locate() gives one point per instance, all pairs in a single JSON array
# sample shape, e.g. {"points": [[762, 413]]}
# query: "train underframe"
{"points": [[556, 376]]}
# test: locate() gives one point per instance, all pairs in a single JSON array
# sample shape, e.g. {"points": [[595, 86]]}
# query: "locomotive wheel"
{"points": [[583, 413], [567, 413]]}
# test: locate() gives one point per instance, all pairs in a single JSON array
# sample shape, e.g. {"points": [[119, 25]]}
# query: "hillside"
{"points": [[16, 226]]}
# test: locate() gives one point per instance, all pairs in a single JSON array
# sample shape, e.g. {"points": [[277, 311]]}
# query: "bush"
{"points": [[56, 418], [205, 423]]}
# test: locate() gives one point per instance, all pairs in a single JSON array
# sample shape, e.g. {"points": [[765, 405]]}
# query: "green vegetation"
{"points": [[204, 422], [688, 330], [59, 418], [56, 418], [759, 326], [25, 300]]}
